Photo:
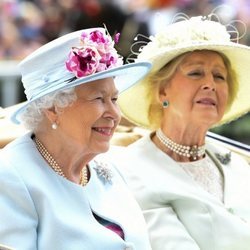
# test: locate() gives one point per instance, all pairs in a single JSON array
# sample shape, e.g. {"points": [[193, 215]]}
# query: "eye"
{"points": [[99, 98], [196, 73], [114, 99], [220, 77]]}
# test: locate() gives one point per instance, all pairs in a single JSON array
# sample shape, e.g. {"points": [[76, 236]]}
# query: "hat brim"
{"points": [[239, 56], [124, 77]]}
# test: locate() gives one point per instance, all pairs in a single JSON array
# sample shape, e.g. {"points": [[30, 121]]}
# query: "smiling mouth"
{"points": [[207, 102], [103, 131]]}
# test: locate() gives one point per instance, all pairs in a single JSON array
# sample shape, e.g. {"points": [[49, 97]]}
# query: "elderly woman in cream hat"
{"points": [[54, 192], [194, 194]]}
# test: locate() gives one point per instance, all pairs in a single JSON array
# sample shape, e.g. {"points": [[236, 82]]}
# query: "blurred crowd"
{"points": [[27, 24]]}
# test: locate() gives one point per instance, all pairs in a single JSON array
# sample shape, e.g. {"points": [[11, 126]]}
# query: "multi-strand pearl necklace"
{"points": [[192, 152], [54, 165]]}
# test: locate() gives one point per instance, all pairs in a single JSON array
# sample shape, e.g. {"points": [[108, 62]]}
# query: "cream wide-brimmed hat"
{"points": [[196, 33], [74, 59]]}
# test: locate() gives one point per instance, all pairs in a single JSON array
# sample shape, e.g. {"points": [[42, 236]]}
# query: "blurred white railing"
{"points": [[9, 83]]}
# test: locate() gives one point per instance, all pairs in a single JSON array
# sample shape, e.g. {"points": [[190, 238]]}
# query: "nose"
{"points": [[209, 83], [112, 111]]}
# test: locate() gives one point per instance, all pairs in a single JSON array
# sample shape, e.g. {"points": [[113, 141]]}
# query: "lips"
{"points": [[207, 101], [103, 130]]}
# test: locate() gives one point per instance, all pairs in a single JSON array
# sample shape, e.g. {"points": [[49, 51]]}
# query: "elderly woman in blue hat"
{"points": [[54, 192], [193, 192]]}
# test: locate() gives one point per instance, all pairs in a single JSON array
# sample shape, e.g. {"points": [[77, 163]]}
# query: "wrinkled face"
{"points": [[90, 122], [198, 91]]}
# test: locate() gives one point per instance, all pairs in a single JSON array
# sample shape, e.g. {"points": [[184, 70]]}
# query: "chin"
{"points": [[210, 117], [103, 148], [207, 122]]}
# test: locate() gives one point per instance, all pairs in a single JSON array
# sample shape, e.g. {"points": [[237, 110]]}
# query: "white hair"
{"points": [[33, 114]]}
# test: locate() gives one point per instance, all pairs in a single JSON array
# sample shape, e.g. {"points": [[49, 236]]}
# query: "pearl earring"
{"points": [[165, 104], [54, 125]]}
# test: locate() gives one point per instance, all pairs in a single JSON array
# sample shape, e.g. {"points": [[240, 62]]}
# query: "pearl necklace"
{"points": [[193, 152], [54, 165]]}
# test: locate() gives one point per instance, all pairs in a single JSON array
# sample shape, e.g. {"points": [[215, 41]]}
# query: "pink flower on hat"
{"points": [[96, 54], [96, 37], [83, 61]]}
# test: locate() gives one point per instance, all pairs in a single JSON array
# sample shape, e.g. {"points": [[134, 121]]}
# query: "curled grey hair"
{"points": [[33, 114]]}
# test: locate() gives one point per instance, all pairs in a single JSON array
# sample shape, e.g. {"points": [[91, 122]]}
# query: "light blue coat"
{"points": [[180, 214], [41, 210]]}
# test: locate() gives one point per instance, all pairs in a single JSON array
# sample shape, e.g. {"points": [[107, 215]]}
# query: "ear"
{"points": [[51, 114], [163, 93]]}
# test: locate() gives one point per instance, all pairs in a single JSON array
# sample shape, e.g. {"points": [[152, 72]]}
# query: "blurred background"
{"points": [[27, 24]]}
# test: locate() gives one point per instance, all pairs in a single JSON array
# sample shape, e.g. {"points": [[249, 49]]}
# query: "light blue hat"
{"points": [[73, 59]]}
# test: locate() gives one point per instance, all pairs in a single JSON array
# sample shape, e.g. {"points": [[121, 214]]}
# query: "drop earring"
{"points": [[54, 125], [165, 104]]}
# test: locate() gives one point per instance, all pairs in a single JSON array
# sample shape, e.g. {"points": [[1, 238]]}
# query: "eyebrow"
{"points": [[104, 92]]}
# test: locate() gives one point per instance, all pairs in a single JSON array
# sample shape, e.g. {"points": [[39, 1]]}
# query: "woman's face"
{"points": [[198, 91], [90, 122]]}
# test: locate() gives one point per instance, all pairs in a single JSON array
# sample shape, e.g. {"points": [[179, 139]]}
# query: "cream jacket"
{"points": [[180, 214]]}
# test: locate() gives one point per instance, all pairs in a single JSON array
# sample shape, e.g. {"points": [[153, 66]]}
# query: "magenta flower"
{"points": [[98, 37], [117, 37], [83, 61], [96, 54]]}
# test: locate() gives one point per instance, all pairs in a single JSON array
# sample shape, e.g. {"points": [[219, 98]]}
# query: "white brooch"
{"points": [[104, 172], [224, 159]]}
